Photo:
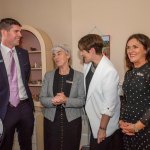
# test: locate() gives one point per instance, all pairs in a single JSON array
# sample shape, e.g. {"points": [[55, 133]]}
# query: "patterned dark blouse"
{"points": [[136, 88]]}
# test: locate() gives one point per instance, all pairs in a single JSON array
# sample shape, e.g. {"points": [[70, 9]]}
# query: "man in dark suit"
{"points": [[16, 105]]}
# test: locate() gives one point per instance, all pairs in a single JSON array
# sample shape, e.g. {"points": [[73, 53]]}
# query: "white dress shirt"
{"points": [[6, 56]]}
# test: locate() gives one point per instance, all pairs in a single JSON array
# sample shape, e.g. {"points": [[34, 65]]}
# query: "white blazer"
{"points": [[102, 96]]}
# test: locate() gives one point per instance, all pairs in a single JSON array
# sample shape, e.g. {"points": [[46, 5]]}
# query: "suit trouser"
{"points": [[21, 119]]}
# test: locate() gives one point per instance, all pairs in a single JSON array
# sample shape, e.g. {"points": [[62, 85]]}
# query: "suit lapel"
{"points": [[19, 54], [96, 77], [2, 67]]}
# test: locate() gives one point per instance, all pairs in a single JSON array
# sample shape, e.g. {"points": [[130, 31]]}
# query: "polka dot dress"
{"points": [[136, 88]]}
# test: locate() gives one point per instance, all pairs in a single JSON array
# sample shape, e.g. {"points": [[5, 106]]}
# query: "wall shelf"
{"points": [[36, 68], [33, 52]]}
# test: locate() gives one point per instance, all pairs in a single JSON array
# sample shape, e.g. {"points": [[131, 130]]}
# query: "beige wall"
{"points": [[51, 16], [66, 21], [119, 18], [1, 10]]}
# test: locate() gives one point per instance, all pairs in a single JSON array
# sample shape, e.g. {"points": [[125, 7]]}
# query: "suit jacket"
{"points": [[102, 96], [23, 58], [75, 101]]}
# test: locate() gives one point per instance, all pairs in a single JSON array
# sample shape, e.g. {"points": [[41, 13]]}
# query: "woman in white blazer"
{"points": [[102, 99]]}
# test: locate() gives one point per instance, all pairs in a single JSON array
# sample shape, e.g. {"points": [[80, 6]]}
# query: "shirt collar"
{"points": [[6, 49]]}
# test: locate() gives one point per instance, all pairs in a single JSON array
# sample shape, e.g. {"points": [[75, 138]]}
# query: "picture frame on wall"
{"points": [[106, 48]]}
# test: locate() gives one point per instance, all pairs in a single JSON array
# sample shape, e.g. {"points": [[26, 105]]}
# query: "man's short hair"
{"points": [[6, 23]]}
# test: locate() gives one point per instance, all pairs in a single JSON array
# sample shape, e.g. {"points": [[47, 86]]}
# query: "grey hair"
{"points": [[65, 47]]}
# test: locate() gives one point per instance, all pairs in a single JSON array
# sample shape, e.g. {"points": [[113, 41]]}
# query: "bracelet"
{"points": [[135, 129], [102, 128]]}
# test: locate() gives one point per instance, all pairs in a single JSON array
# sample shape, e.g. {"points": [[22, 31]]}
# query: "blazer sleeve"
{"points": [[110, 92]]}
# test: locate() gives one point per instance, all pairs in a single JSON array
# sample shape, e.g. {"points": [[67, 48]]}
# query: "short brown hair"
{"points": [[6, 23], [91, 41]]}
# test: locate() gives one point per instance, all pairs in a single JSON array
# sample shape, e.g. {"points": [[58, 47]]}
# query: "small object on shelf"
{"points": [[35, 65], [32, 66], [32, 82], [39, 82], [35, 97], [33, 49]]}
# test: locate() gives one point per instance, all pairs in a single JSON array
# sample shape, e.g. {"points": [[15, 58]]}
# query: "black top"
{"points": [[62, 82], [136, 88], [89, 77]]}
